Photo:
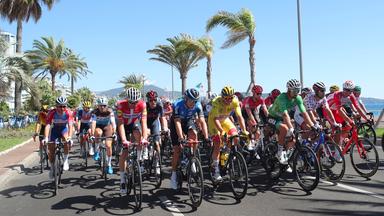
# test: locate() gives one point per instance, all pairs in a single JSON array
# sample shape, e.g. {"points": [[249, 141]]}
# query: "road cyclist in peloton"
{"points": [[84, 118]]}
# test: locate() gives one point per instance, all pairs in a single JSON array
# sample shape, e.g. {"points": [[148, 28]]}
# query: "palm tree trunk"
{"points": [[252, 42], [18, 86], [183, 77], [53, 81], [209, 69], [72, 84]]}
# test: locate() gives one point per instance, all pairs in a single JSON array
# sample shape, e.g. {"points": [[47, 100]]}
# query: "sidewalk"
{"points": [[14, 161]]}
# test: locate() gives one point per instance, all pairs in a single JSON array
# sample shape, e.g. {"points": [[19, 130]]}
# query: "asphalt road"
{"points": [[83, 192]]}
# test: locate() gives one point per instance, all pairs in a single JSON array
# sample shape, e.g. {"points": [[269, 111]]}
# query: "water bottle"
{"points": [[224, 156]]}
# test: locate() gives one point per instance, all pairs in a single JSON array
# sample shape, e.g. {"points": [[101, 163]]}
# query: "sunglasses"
{"points": [[103, 106], [227, 98], [191, 101], [151, 100], [322, 90], [257, 93], [295, 91], [61, 106], [347, 90]]}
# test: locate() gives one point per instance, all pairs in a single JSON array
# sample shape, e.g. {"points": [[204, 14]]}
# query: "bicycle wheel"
{"points": [[103, 160], [366, 130], [306, 168], [136, 184], [238, 175], [333, 165], [364, 158], [157, 169], [42, 159], [56, 171], [195, 181], [270, 163]]}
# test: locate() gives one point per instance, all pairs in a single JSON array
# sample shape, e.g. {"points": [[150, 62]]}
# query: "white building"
{"points": [[11, 40]]}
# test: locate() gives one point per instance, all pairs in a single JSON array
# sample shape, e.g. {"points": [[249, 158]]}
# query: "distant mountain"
{"points": [[116, 91], [372, 100]]}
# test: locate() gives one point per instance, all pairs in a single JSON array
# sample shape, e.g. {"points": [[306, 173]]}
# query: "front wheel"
{"points": [[238, 175], [332, 161], [136, 184], [364, 158], [366, 130], [270, 162], [157, 169], [195, 178], [306, 168]]}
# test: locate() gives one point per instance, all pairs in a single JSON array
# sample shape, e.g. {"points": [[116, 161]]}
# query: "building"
{"points": [[11, 40]]}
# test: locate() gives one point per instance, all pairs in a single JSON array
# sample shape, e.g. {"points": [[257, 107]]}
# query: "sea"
{"points": [[375, 107]]}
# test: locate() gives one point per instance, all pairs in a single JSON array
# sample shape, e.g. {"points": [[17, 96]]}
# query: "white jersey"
{"points": [[311, 103]]}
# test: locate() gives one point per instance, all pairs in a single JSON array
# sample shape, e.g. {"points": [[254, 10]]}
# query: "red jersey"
{"points": [[131, 113], [55, 118], [249, 103], [336, 100]]}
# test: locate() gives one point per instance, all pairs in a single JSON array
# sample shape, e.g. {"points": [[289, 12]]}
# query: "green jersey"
{"points": [[283, 104]]}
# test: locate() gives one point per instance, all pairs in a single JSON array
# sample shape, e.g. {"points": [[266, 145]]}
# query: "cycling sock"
{"points": [[122, 177], [109, 159], [216, 165], [139, 154], [173, 175], [97, 147], [66, 157]]}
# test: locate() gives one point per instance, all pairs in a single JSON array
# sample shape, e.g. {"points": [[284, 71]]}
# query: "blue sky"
{"points": [[341, 39]]}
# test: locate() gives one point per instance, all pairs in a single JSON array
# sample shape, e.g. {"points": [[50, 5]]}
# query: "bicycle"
{"points": [[153, 164], [232, 161], [189, 166], [359, 147], [58, 163], [85, 147], [43, 153], [366, 129], [133, 176], [329, 154], [103, 156], [302, 159], [166, 145]]}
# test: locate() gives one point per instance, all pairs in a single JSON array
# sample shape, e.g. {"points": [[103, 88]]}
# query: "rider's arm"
{"points": [[144, 127], [265, 110], [203, 126], [362, 106], [47, 130], [330, 115], [179, 130], [121, 130], [359, 109], [344, 115], [164, 123]]}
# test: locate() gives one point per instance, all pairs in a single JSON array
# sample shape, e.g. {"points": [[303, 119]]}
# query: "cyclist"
{"points": [[132, 119], [316, 103], [281, 119], [59, 125], [155, 113], [84, 117], [252, 104], [332, 89], [40, 124], [167, 109], [357, 93], [183, 122], [220, 124], [271, 98], [103, 124], [336, 102]]}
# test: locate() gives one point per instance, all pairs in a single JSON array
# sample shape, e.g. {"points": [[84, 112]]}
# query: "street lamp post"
{"points": [[300, 54]]}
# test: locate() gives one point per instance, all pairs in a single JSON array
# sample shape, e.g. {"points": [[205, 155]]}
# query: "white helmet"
{"points": [[133, 94], [293, 84], [102, 101], [61, 101], [349, 85]]}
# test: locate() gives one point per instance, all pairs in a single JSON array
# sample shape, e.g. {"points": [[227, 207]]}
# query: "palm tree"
{"points": [[204, 45], [240, 26], [133, 80], [78, 70], [178, 56], [54, 59], [22, 10]]}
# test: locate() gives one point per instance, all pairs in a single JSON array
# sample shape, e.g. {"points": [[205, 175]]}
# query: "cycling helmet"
{"points": [[133, 94], [227, 91], [239, 96], [357, 89], [293, 84], [44, 107], [334, 88], [192, 94], [305, 90], [348, 85], [151, 94], [102, 101], [257, 89], [87, 104], [61, 100], [275, 93], [318, 86], [212, 95]]}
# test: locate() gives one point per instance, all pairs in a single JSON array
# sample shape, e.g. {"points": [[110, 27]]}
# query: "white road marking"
{"points": [[168, 204], [355, 189]]}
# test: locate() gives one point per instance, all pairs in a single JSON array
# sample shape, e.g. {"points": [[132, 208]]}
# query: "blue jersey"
{"points": [[180, 110]]}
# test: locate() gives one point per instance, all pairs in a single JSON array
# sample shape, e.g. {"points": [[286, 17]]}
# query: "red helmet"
{"points": [[151, 94], [239, 96], [275, 93], [257, 89]]}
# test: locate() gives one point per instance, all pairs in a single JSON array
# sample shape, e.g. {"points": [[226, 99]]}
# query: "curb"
{"points": [[10, 174], [15, 147]]}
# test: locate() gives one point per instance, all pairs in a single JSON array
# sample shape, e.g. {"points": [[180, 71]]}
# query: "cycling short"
{"points": [[42, 131], [131, 127], [58, 132], [84, 126], [338, 118], [154, 126], [186, 125], [107, 129], [275, 121], [227, 125]]}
